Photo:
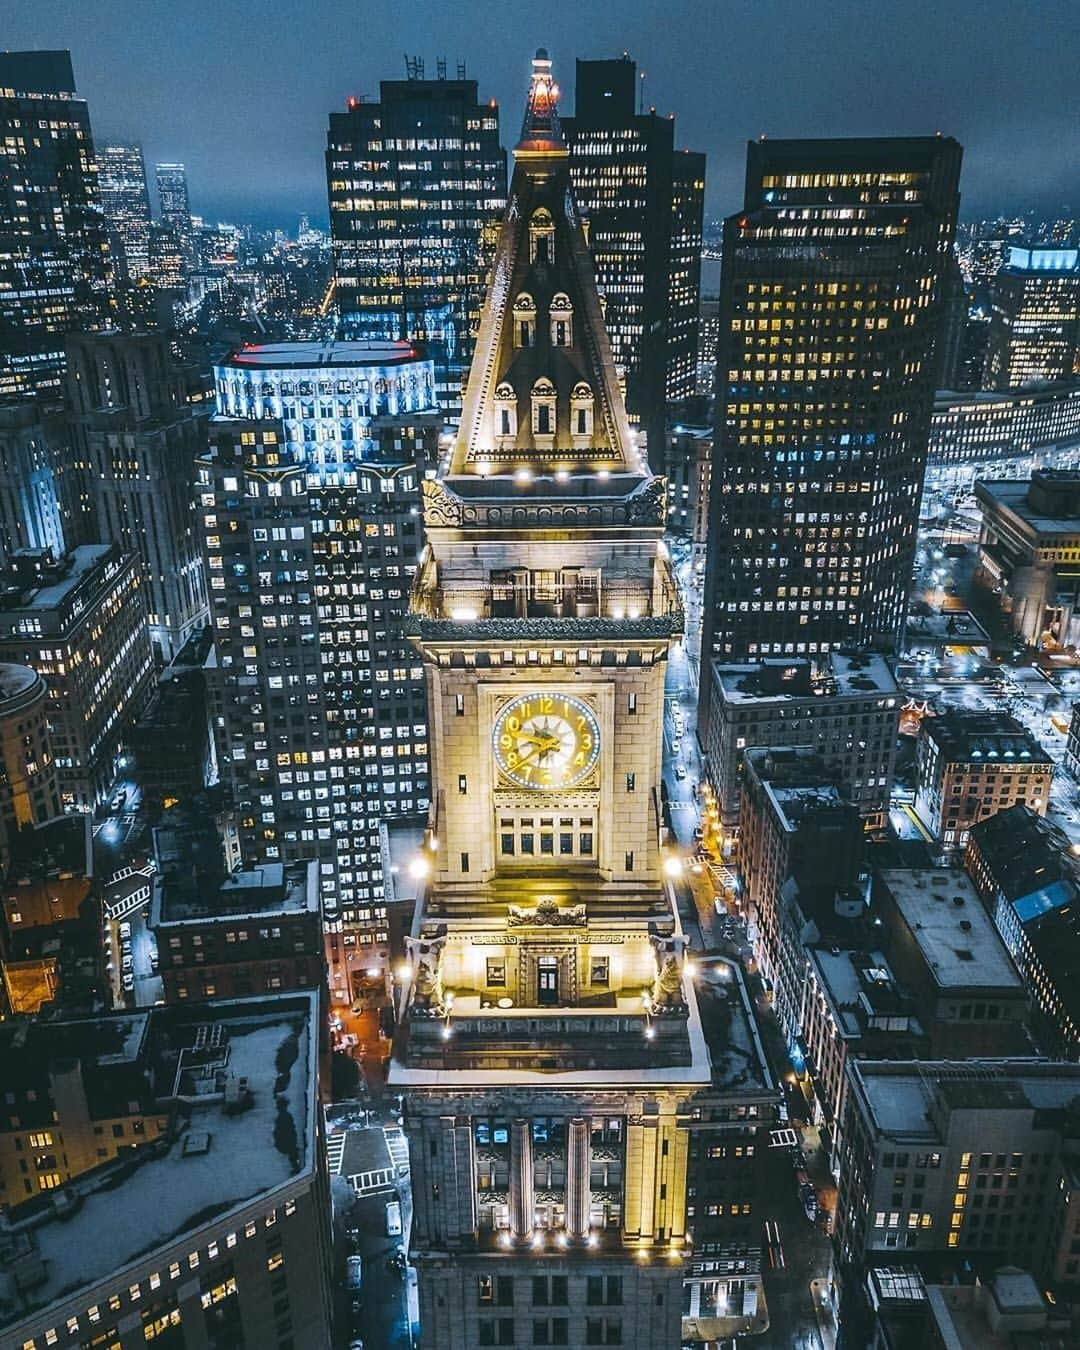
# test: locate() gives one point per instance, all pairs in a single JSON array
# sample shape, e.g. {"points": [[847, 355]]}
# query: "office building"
{"points": [[1029, 546], [28, 787], [830, 312], [975, 1160], [1027, 877], [970, 765], [174, 209], [310, 512], [643, 200], [55, 272], [257, 930], [80, 623], [1035, 318], [550, 1039], [125, 205], [803, 869], [51, 950], [79, 1096], [944, 947], [139, 434], [1001, 1309], [172, 740], [853, 1007], [847, 708], [216, 1233], [416, 183], [983, 427], [37, 480], [688, 470]]}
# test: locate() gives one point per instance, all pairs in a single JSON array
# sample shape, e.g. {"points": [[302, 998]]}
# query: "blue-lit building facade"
{"points": [[309, 501]]}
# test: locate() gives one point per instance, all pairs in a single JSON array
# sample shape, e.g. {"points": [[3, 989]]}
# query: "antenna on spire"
{"points": [[414, 67], [641, 93], [440, 67]]}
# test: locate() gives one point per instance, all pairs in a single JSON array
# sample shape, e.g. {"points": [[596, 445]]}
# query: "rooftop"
{"points": [[16, 683], [60, 848], [900, 1094], [251, 892], [226, 1147], [320, 355], [35, 581], [954, 933], [849, 674], [986, 736], [1054, 510], [861, 987], [1028, 860]]}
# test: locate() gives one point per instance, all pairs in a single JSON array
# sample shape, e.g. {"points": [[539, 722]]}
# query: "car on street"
{"points": [[126, 963], [118, 801], [128, 982], [680, 772], [354, 1272]]}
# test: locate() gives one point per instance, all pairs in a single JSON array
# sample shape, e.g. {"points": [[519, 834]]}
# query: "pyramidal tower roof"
{"points": [[542, 392]]}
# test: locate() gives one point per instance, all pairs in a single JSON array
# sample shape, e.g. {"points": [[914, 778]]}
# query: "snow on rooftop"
{"points": [[151, 1198], [958, 941]]}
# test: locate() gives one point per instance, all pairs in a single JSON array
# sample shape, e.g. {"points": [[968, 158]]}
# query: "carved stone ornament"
{"points": [[545, 914], [440, 506], [649, 502], [668, 986]]}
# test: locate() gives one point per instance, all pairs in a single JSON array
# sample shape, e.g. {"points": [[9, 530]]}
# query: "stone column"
{"points": [[522, 1199], [578, 1151]]}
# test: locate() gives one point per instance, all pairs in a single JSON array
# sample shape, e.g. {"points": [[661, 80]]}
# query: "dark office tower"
{"points": [[1035, 318], [54, 257], [643, 201], [134, 428], [309, 500], [172, 189], [831, 297], [125, 204], [417, 184]]}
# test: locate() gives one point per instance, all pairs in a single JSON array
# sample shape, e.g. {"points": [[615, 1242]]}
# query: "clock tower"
{"points": [[548, 1043]]}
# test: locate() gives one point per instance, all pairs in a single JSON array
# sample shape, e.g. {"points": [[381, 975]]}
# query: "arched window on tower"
{"points": [[543, 414], [505, 415], [524, 320], [581, 416], [541, 236], [561, 313]]}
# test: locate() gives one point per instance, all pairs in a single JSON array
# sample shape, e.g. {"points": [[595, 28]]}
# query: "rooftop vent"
{"points": [[965, 925], [958, 900]]}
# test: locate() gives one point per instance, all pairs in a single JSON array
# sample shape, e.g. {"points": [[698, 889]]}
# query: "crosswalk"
{"points": [[364, 1183], [335, 1152], [399, 1149]]}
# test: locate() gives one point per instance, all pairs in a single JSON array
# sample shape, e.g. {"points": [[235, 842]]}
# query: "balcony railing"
{"points": [[495, 610]]}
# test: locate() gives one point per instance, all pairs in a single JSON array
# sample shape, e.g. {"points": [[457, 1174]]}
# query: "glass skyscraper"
{"points": [[643, 200], [417, 185], [831, 297], [54, 256]]}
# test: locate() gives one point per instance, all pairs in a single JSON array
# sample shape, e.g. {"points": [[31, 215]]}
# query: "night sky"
{"points": [[240, 89]]}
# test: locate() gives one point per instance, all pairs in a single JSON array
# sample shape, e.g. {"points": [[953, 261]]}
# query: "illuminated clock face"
{"points": [[546, 740]]}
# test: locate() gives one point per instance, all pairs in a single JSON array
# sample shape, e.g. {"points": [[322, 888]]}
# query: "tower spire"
{"points": [[541, 133]]}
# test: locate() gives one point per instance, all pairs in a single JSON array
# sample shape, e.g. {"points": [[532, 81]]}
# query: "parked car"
{"points": [[680, 772], [125, 929], [354, 1272], [393, 1218], [128, 982]]}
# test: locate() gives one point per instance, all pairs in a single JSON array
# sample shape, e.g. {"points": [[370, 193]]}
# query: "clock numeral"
{"points": [[506, 742], [586, 742], [581, 724], [579, 758], [513, 723], [546, 705]]}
